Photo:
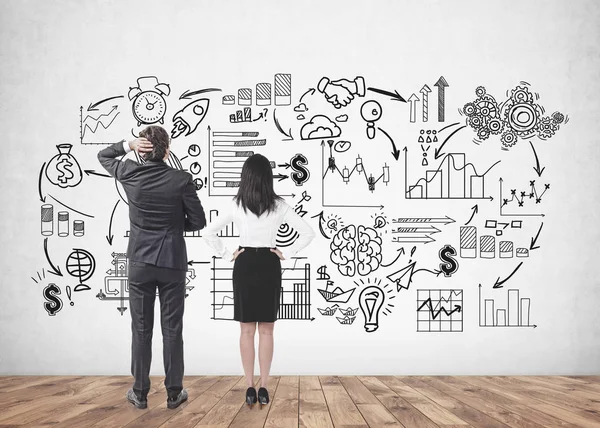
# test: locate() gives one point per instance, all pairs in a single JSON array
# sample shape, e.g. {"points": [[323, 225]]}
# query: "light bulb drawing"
{"points": [[373, 302]]}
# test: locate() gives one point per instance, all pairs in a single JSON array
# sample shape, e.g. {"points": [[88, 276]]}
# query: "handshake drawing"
{"points": [[341, 92]]}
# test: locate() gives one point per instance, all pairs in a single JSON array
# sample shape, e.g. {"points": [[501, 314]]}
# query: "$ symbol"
{"points": [[449, 265], [64, 168], [300, 174], [53, 303], [322, 271]]}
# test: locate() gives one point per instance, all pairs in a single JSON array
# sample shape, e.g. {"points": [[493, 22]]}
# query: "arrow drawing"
{"points": [[434, 314], [536, 168], [441, 85], [321, 218], [92, 107], [425, 90], [475, 211], [280, 129], [192, 262], [438, 153], [430, 230], [413, 107], [110, 236], [280, 177], [55, 270], [395, 96], [188, 95], [499, 283], [395, 151], [93, 172], [42, 198], [400, 252], [532, 246], [413, 240], [444, 220], [72, 209], [310, 91]]}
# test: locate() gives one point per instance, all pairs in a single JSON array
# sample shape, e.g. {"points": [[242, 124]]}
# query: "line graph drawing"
{"points": [[295, 290], [516, 314], [450, 180], [439, 310], [91, 123], [518, 199], [346, 174]]}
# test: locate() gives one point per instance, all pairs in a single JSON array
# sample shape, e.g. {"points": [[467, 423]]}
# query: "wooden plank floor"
{"points": [[308, 402]]}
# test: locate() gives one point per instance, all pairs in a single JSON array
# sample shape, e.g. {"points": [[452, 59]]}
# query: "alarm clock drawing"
{"points": [[149, 105]]}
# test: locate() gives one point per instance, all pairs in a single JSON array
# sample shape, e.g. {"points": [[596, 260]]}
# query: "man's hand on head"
{"points": [[141, 145]]}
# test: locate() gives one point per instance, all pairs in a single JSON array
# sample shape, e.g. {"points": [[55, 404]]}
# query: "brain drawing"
{"points": [[356, 249]]}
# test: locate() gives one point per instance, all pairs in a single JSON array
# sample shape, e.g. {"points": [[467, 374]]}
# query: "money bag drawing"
{"points": [[63, 170]]}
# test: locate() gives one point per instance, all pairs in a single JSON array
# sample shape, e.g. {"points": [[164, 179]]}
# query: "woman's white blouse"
{"points": [[258, 231]]}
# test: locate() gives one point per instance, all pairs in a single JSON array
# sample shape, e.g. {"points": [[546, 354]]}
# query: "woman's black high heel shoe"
{"points": [[250, 396], [263, 396]]}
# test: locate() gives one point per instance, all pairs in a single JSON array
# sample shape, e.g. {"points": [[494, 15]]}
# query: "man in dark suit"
{"points": [[162, 205]]}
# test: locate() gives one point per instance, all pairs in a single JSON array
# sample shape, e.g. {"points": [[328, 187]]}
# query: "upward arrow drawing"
{"points": [[441, 85], [413, 107], [425, 90]]}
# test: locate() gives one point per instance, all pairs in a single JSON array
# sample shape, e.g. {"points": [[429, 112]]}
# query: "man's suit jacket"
{"points": [[162, 205]]}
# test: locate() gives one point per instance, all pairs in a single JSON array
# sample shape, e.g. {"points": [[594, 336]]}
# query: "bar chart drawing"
{"points": [[230, 230], [455, 178], [228, 150], [515, 314], [294, 301], [439, 310], [487, 246]]}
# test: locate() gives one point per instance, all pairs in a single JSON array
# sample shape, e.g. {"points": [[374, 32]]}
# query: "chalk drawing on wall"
{"points": [[356, 249], [294, 301], [374, 300], [439, 310], [332, 293], [148, 100], [516, 312]]}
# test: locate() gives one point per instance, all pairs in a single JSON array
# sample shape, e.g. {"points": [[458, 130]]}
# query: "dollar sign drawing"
{"points": [[300, 174], [64, 169], [53, 303], [322, 271], [449, 265]]}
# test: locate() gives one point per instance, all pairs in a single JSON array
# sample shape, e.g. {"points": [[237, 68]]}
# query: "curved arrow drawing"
{"points": [[55, 269]]}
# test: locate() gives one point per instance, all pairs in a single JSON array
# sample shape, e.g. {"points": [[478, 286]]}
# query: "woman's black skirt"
{"points": [[256, 285]]}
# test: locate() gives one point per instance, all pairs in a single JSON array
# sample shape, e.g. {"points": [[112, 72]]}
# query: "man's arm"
{"points": [[108, 156], [194, 213]]}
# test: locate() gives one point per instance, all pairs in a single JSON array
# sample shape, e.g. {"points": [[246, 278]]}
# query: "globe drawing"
{"points": [[81, 265]]}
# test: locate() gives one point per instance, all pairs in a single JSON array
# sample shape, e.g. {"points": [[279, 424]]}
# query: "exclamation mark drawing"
{"points": [[68, 288]]}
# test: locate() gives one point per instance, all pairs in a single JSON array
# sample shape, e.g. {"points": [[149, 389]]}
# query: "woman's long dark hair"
{"points": [[256, 186]]}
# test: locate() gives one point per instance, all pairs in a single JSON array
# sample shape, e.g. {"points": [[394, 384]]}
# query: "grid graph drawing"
{"points": [[439, 310]]}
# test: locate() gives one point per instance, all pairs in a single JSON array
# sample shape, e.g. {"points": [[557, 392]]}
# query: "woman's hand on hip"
{"points": [[236, 253], [279, 254]]}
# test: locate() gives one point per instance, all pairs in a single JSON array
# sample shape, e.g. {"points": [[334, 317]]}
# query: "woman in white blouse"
{"points": [[257, 212]]}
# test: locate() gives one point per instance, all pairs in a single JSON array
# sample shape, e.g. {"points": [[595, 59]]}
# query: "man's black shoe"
{"points": [[176, 402], [133, 399]]}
